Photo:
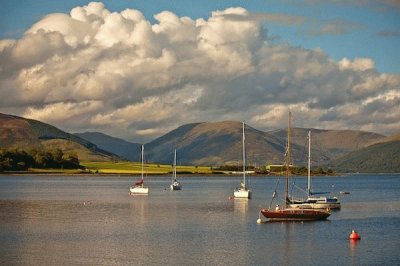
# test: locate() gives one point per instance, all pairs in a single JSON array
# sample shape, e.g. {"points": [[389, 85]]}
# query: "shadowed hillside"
{"points": [[221, 143], [122, 148], [25, 134], [327, 145], [383, 156]]}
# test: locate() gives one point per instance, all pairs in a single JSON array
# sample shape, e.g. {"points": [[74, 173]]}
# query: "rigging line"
{"points": [[274, 194], [299, 188]]}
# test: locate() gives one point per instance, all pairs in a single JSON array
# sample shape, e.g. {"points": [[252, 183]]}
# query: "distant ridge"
{"points": [[215, 144], [122, 148], [219, 143]]}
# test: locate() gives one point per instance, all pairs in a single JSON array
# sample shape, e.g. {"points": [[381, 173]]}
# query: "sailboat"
{"points": [[138, 187], [312, 201], [288, 213], [243, 191], [175, 185]]}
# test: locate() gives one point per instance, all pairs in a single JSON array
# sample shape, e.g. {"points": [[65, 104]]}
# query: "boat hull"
{"points": [[139, 190], [331, 206], [176, 186], [316, 203], [292, 214], [242, 193]]}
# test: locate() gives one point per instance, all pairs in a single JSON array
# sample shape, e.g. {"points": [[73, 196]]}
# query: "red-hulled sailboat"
{"points": [[287, 213]]}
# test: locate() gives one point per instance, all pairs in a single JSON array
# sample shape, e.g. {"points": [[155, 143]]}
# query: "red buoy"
{"points": [[354, 235]]}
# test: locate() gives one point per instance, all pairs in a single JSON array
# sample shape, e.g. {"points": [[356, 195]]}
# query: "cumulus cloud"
{"points": [[117, 72], [358, 64]]}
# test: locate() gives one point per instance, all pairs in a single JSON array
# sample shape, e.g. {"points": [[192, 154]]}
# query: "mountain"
{"points": [[329, 144], [215, 144], [120, 147], [382, 156], [221, 143], [22, 133]]}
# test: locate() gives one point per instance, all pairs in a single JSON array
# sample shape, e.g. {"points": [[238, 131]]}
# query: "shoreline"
{"points": [[58, 173]]}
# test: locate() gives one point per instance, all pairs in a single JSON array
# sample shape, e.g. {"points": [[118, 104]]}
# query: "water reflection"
{"points": [[353, 246], [138, 208], [241, 205]]}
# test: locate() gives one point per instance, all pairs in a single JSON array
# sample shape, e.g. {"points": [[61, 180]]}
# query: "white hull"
{"points": [[317, 203], [139, 190], [315, 206], [242, 193], [176, 186]]}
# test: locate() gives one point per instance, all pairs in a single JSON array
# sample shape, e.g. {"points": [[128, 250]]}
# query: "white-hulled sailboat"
{"points": [[312, 201], [243, 191], [138, 187], [175, 185]]}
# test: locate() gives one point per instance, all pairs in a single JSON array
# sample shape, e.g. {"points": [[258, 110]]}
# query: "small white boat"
{"points": [[139, 190], [138, 187], [175, 185], [243, 191]]}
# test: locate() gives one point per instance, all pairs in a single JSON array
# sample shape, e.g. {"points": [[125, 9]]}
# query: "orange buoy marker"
{"points": [[354, 235]]}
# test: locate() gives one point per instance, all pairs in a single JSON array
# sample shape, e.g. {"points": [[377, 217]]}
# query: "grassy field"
{"points": [[54, 171], [135, 168]]}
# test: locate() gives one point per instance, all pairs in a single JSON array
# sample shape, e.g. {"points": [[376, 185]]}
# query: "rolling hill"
{"points": [[220, 143], [22, 133], [383, 156], [122, 148], [327, 145], [215, 144]]}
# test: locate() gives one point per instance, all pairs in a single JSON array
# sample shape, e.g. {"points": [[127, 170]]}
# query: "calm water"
{"points": [[53, 220]]}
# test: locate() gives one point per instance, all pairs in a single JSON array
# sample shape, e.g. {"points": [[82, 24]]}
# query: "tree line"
{"points": [[21, 160]]}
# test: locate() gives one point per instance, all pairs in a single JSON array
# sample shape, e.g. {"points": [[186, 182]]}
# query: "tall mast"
{"points": [[142, 160], [174, 170], [309, 164], [244, 159], [288, 156]]}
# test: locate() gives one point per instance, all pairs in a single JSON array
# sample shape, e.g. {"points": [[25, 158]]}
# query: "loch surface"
{"points": [[92, 220]]}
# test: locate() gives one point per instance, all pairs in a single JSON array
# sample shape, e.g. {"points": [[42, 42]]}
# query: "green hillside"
{"points": [[28, 134], [377, 158]]}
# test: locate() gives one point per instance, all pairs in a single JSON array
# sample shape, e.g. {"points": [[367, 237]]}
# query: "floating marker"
{"points": [[354, 235]]}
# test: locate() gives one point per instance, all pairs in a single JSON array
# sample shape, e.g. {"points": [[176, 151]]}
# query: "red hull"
{"points": [[295, 214]]}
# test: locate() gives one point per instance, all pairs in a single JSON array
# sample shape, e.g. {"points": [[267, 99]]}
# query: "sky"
{"points": [[139, 69]]}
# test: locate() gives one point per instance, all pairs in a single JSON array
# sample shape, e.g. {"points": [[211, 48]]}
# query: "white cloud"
{"points": [[61, 113], [117, 72], [358, 64]]}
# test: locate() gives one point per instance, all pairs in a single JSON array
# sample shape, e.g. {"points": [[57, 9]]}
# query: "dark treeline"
{"points": [[20, 160], [276, 169]]}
